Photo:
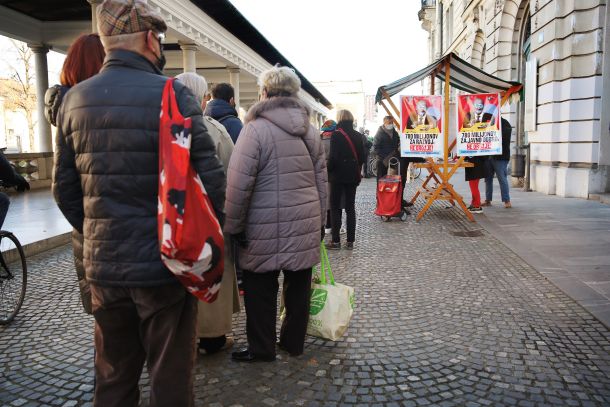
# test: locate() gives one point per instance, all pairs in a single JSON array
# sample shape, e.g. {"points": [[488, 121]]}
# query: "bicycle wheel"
{"points": [[373, 166], [13, 277]]}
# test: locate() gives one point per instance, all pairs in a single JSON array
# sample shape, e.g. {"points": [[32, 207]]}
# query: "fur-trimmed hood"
{"points": [[288, 113]]}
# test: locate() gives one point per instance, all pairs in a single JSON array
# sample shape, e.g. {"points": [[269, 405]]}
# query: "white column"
{"points": [[45, 139], [234, 81], [189, 62], [94, 4]]}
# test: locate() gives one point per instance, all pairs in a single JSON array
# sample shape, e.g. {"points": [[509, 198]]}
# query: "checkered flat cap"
{"points": [[115, 17]]}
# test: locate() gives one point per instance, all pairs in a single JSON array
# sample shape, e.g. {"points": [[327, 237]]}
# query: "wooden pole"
{"points": [[390, 114], [446, 120], [385, 95], [432, 83]]}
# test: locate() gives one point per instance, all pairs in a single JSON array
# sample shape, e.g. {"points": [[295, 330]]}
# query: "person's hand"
{"points": [[21, 184], [240, 239]]}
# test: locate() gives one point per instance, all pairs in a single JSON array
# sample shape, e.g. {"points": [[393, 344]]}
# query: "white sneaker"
{"points": [[342, 231], [327, 230]]}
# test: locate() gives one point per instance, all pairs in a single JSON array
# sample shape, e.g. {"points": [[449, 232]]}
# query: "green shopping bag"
{"points": [[331, 304]]}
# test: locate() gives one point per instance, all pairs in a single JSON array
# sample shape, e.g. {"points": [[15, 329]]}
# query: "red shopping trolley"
{"points": [[389, 194]]}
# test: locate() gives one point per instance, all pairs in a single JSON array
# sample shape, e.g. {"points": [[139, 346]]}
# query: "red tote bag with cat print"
{"points": [[190, 236]]}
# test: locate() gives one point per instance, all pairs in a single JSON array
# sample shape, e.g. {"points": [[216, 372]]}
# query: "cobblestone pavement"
{"points": [[445, 315]]}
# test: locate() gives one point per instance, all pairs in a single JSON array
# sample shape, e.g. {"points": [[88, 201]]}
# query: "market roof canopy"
{"points": [[462, 75]]}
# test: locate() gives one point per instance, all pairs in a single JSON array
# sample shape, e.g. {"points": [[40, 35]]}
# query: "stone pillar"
{"points": [[94, 4], [189, 62], [45, 138], [234, 81]]}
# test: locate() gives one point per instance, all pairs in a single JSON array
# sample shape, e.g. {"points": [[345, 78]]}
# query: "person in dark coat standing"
{"points": [[106, 183], [276, 202], [10, 178], [387, 145], [499, 165], [344, 164], [328, 129], [222, 109], [84, 59], [473, 175], [367, 149]]}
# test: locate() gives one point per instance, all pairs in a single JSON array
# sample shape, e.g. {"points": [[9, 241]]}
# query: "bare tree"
{"points": [[19, 91]]}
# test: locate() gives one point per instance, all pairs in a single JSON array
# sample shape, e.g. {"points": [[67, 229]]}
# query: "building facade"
{"points": [[559, 49], [346, 94]]}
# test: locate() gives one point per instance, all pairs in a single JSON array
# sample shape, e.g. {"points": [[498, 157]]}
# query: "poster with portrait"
{"points": [[478, 123], [421, 121]]}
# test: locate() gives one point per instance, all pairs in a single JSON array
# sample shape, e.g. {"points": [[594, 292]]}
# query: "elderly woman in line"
{"points": [[275, 209], [214, 320]]}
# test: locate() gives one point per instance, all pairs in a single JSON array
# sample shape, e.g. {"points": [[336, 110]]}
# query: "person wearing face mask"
{"points": [[387, 145], [106, 182]]}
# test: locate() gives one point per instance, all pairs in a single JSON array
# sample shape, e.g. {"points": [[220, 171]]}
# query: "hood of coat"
{"points": [[52, 101], [218, 108], [288, 113]]}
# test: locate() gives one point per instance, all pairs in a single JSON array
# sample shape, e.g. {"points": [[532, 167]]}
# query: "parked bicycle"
{"points": [[414, 171], [13, 276], [13, 268]]}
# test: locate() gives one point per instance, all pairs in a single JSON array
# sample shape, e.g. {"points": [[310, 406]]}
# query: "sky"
{"points": [[376, 41]]}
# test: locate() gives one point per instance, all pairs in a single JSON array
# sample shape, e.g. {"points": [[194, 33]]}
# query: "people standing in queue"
{"points": [[386, 145], [106, 183], [84, 59], [327, 128], [344, 164], [276, 203], [222, 109], [214, 320]]}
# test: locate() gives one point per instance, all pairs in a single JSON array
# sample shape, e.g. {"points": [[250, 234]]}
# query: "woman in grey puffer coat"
{"points": [[275, 208]]}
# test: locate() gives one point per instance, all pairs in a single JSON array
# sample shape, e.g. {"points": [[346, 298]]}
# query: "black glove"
{"points": [[21, 184], [322, 233], [240, 239]]}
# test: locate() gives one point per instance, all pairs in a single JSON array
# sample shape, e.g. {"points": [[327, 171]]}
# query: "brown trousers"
{"points": [[155, 325]]}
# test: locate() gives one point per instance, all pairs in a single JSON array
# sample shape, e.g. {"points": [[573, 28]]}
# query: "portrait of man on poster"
{"points": [[421, 119], [478, 118]]}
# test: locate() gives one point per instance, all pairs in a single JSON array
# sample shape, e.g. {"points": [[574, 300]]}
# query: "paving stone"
{"points": [[438, 320]]}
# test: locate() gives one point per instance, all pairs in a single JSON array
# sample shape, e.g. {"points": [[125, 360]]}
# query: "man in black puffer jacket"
{"points": [[106, 184]]}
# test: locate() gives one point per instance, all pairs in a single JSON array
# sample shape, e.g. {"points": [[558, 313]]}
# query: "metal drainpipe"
{"points": [[526, 181]]}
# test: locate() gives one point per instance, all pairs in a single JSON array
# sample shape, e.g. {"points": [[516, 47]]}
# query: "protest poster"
{"points": [[478, 123], [421, 123]]}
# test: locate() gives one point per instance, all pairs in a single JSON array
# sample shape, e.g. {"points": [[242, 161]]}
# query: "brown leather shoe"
{"points": [[486, 203], [508, 205]]}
